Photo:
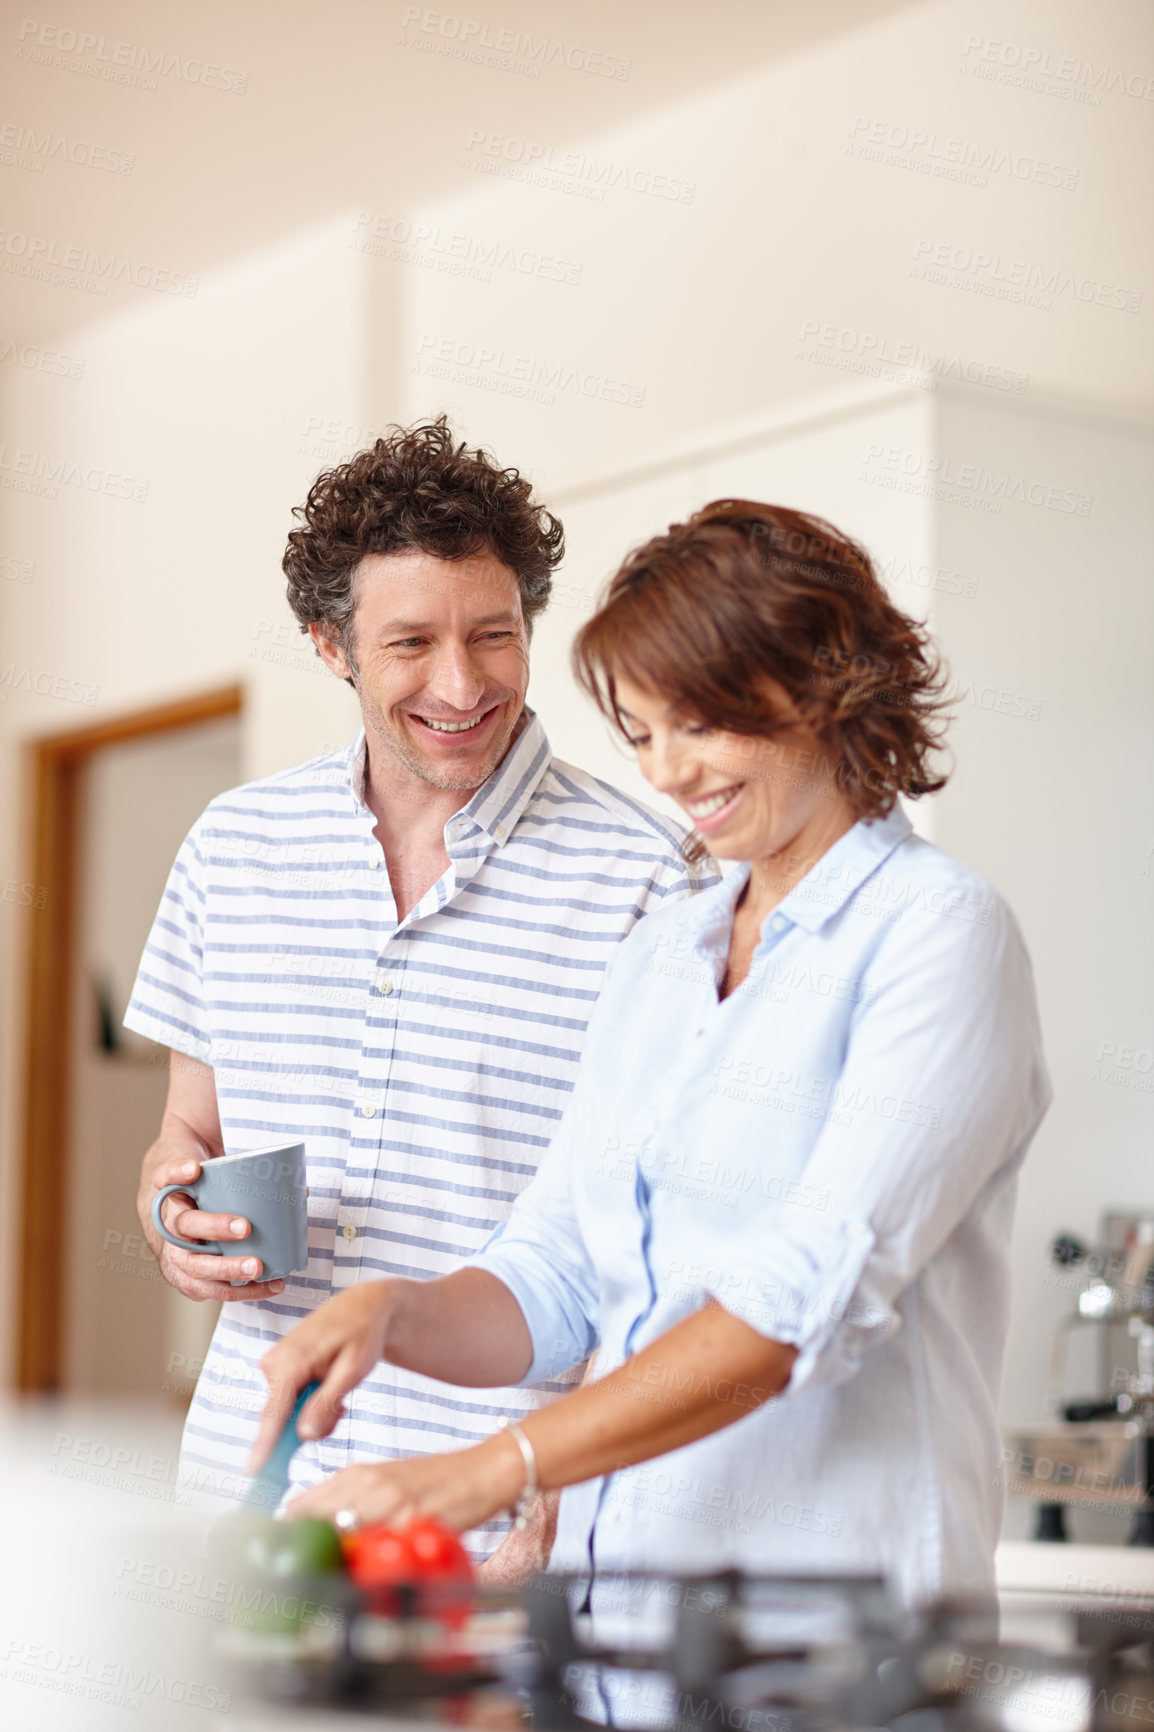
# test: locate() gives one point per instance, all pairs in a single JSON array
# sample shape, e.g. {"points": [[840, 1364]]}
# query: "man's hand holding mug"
{"points": [[233, 1226]]}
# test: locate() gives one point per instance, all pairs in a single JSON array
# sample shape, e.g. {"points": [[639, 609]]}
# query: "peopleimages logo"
{"points": [[25, 471], [508, 50], [25, 255], [876, 355], [1015, 280], [514, 375], [120, 62], [994, 487], [1039, 69], [573, 171], [461, 254], [23, 146], [114, 1683], [928, 152], [45, 685], [38, 360]]}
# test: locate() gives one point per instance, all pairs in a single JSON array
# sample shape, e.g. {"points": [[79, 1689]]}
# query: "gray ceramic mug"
{"points": [[267, 1187]]}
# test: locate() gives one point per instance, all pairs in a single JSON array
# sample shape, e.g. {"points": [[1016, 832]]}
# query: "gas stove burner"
{"points": [[757, 1653], [718, 1653]]}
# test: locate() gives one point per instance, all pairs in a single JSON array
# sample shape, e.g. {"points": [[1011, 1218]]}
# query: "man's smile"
{"points": [[442, 725]]}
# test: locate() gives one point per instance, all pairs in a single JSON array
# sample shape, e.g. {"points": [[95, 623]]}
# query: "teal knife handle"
{"points": [[270, 1485]]}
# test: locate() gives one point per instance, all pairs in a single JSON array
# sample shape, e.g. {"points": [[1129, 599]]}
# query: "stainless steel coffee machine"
{"points": [[1099, 1449]]}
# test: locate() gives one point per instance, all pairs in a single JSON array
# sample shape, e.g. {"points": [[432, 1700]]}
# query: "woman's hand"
{"points": [[461, 1489], [338, 1344]]}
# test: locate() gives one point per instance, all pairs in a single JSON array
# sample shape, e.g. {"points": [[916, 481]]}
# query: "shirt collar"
{"points": [[843, 869], [498, 803], [352, 774], [823, 892]]}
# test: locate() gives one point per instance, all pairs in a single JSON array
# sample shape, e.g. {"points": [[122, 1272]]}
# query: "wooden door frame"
{"points": [[53, 768]]}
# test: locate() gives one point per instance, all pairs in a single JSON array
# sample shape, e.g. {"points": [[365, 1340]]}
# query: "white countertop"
{"points": [[1077, 1572]]}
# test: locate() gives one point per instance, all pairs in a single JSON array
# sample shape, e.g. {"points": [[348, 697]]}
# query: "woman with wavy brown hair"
{"points": [[778, 1206]]}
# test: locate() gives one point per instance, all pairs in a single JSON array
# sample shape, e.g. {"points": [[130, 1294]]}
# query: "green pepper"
{"points": [[275, 1566]]}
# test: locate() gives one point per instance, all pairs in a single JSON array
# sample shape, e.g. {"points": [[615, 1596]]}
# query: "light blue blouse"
{"points": [[831, 1153]]}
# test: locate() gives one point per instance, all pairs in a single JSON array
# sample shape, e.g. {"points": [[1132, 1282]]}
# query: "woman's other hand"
{"points": [[460, 1489]]}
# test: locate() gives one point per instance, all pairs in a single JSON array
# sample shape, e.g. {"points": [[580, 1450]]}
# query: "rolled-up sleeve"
{"points": [[540, 1252], [941, 1088], [540, 1255]]}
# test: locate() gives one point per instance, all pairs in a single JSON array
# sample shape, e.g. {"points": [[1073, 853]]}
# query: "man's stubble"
{"points": [[390, 737]]}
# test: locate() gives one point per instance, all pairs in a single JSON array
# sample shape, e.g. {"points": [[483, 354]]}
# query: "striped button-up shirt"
{"points": [[425, 1062]]}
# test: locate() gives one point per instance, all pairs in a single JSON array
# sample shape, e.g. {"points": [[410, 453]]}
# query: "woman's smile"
{"points": [[710, 811]]}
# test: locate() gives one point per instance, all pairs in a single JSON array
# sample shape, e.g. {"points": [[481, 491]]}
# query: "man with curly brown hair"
{"points": [[391, 951]]}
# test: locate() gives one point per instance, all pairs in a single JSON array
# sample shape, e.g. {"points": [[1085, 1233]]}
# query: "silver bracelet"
{"points": [[530, 1491]]}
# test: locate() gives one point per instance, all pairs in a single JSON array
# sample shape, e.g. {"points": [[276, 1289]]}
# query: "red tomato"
{"points": [[378, 1556], [446, 1566], [382, 1559], [438, 1551]]}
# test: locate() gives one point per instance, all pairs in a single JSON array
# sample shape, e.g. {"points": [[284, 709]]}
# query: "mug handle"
{"points": [[174, 1238]]}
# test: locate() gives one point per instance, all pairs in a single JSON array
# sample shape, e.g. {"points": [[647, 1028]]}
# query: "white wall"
{"points": [[207, 405], [1054, 656], [716, 308], [762, 301]]}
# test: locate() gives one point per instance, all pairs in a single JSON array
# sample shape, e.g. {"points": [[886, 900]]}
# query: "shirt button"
{"points": [[858, 1229], [384, 987], [374, 863], [778, 922], [368, 1111], [498, 830], [349, 1232]]}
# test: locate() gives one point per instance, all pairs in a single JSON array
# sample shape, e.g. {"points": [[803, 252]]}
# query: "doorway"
{"points": [[111, 805]]}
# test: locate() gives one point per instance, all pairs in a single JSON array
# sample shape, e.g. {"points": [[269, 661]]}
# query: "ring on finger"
{"points": [[347, 1520]]}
